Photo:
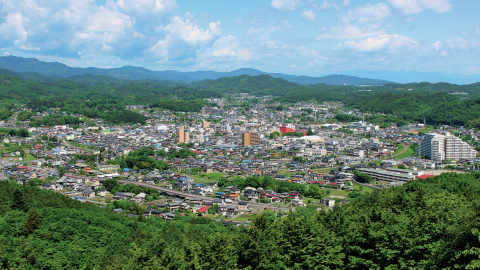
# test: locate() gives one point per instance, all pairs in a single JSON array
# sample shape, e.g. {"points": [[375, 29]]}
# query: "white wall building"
{"points": [[440, 147]]}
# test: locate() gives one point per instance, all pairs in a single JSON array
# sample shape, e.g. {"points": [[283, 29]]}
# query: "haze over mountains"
{"points": [[28, 65]]}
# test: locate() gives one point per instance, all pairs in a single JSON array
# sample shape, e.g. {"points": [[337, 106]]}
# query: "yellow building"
{"points": [[181, 136], [250, 139]]}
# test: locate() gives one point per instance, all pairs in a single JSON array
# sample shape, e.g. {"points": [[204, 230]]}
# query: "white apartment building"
{"points": [[440, 147]]}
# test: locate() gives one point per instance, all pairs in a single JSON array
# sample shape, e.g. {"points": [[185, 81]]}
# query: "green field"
{"points": [[29, 157], [408, 153], [426, 129], [400, 149], [207, 177]]}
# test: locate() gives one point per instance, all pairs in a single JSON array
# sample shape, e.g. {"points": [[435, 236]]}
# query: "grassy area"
{"points": [[243, 217], [363, 189], [426, 129], [400, 149], [207, 177], [29, 157], [407, 153]]}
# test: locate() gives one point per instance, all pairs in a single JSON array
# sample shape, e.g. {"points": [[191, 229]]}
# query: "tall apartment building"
{"points": [[250, 139], [181, 136], [440, 147]]}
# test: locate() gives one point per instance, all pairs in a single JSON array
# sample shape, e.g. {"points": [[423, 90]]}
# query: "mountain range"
{"points": [[25, 66], [28, 66]]}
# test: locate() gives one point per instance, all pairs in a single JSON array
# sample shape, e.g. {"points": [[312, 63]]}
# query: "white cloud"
{"points": [[268, 28], [12, 29], [143, 6], [363, 21], [308, 15], [409, 7], [185, 39], [123, 29], [307, 52], [285, 4], [380, 43], [325, 4], [346, 32], [437, 45], [367, 13]]}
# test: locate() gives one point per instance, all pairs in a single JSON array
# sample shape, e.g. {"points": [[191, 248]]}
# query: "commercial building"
{"points": [[181, 136], [250, 139], [444, 147], [389, 176], [285, 128]]}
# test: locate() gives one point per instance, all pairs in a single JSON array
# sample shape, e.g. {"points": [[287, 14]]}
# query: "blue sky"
{"points": [[302, 37]]}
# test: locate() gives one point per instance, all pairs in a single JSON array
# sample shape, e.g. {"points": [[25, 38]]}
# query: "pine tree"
{"points": [[34, 220], [18, 201]]}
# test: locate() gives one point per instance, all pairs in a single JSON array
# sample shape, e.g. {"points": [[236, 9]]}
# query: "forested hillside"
{"points": [[424, 224], [438, 108]]}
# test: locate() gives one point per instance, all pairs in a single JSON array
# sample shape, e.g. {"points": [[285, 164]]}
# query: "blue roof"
{"points": [[200, 185], [125, 170]]}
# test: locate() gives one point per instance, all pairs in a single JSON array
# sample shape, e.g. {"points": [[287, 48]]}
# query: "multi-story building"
{"points": [[250, 139], [205, 124], [181, 136], [440, 147]]}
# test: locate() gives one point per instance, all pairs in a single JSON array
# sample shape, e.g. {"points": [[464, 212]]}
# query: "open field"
{"points": [[406, 154], [207, 177]]}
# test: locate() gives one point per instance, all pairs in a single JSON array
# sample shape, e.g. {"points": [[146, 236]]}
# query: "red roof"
{"points": [[320, 182], [204, 209], [425, 176], [310, 181], [332, 184]]}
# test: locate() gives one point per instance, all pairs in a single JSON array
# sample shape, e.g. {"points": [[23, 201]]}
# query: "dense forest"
{"points": [[436, 108], [424, 224]]}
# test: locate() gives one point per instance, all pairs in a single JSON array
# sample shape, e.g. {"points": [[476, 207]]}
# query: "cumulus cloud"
{"points": [[125, 29], [409, 7], [363, 21], [285, 4], [185, 39], [380, 43], [308, 15]]}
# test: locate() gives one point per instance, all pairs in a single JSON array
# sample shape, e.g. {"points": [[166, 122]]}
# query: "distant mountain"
{"points": [[404, 76], [33, 68]]}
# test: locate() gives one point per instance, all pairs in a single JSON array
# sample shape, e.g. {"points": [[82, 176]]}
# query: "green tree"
{"points": [[111, 184], [61, 171], [314, 191], [18, 202], [34, 220], [213, 209]]}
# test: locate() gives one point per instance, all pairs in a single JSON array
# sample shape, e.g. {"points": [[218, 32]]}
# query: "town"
{"points": [[231, 163]]}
